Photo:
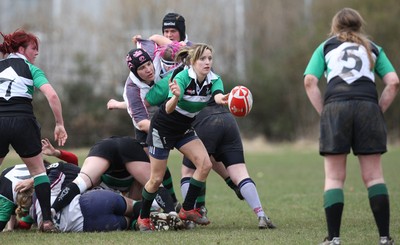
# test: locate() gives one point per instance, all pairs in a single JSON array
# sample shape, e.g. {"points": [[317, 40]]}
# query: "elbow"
{"points": [[396, 85], [310, 81]]}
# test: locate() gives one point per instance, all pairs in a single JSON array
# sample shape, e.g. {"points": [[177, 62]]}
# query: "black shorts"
{"points": [[119, 151], [22, 133], [168, 131], [221, 137], [355, 124], [141, 136]]}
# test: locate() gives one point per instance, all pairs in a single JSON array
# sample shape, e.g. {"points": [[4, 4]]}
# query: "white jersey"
{"points": [[68, 219], [18, 173]]}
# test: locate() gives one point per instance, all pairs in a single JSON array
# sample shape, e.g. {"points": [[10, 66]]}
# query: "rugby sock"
{"points": [[168, 184], [42, 190], [185, 182], [66, 196], [379, 203], [136, 206], [230, 183], [249, 191], [234, 187], [201, 199], [164, 200], [333, 204], [193, 192], [147, 200]]}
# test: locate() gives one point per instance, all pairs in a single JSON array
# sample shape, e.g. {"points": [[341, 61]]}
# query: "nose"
{"points": [[148, 69]]}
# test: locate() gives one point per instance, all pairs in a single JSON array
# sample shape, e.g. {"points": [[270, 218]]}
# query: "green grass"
{"points": [[289, 181]]}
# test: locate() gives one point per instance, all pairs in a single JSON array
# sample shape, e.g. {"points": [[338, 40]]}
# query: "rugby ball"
{"points": [[240, 101]]}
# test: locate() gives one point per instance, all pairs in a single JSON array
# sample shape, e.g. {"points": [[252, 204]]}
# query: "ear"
{"points": [[21, 50]]}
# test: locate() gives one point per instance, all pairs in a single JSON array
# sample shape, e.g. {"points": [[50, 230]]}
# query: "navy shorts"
{"points": [[221, 137], [354, 124], [103, 210], [22, 133]]}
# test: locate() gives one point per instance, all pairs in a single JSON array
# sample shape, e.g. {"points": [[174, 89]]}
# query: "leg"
{"points": [[372, 175], [195, 151], [167, 182], [150, 189], [187, 174], [140, 171], [42, 189], [169, 185], [221, 170], [91, 171], [187, 171], [247, 187], [335, 175]]}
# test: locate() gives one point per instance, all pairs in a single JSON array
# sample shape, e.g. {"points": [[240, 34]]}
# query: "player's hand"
{"points": [[221, 99], [24, 185], [47, 147], [175, 89], [112, 104], [60, 135], [135, 39]]}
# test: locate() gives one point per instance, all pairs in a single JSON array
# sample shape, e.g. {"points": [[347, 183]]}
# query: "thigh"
{"points": [[94, 167], [139, 170], [195, 151]]}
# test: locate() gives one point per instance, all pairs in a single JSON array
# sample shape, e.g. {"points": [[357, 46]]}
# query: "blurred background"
{"points": [[262, 44]]}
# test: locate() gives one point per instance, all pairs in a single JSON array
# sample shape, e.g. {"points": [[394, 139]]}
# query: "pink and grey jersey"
{"points": [[134, 94]]}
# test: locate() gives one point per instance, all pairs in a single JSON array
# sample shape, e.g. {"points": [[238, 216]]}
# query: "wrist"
{"points": [[57, 153]]}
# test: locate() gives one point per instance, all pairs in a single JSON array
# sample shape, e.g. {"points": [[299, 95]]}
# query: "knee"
{"points": [[155, 181], [205, 164]]}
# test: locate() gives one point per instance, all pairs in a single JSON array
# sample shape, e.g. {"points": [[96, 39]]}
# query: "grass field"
{"points": [[289, 181]]}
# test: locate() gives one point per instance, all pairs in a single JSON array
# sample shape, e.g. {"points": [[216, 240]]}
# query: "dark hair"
{"points": [[135, 58], [176, 21], [19, 38]]}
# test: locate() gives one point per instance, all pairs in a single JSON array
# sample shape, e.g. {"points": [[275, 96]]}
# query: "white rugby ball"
{"points": [[240, 101]]}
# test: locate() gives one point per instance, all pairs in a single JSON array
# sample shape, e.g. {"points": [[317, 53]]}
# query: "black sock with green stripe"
{"points": [[192, 194], [42, 190], [147, 201], [201, 198], [168, 184], [333, 204], [379, 203]]}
